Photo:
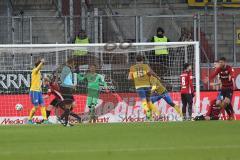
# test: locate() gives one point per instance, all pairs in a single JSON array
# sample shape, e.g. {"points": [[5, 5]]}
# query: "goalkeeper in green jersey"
{"points": [[95, 81]]}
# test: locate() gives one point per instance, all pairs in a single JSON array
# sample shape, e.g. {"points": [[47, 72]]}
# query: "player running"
{"points": [[94, 81], [58, 101], [53, 89], [159, 92], [214, 112], [226, 75], [187, 91], [36, 92], [140, 73]]}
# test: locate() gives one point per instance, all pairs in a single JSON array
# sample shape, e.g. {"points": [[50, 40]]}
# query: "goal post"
{"points": [[112, 60], [197, 74]]}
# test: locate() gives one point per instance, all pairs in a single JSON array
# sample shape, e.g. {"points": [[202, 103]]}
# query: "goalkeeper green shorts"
{"points": [[92, 97]]}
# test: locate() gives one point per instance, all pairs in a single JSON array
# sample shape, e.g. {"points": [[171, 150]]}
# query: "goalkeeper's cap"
{"points": [[159, 29], [139, 58], [185, 66]]}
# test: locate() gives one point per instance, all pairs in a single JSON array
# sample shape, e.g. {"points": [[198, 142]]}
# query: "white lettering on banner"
{"points": [[103, 120], [14, 80], [205, 103], [131, 101], [122, 111], [25, 81], [133, 119], [123, 106], [119, 107], [238, 81], [170, 110], [235, 105], [22, 120], [3, 77], [11, 78], [18, 80], [108, 106], [99, 120], [163, 107], [9, 121]]}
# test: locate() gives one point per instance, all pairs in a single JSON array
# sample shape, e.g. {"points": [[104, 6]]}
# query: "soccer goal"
{"points": [[112, 62]]}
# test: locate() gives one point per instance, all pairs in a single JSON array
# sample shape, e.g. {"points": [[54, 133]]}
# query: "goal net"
{"points": [[112, 62]]}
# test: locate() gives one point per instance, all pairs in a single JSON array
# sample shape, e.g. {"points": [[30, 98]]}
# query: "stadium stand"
{"points": [[45, 16], [223, 3]]}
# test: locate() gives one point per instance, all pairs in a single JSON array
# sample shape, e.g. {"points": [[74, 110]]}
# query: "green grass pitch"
{"points": [[216, 140]]}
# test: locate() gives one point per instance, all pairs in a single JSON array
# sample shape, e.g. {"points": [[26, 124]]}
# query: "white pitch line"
{"points": [[82, 150]]}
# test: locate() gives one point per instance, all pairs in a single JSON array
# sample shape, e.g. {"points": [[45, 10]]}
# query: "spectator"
{"points": [[80, 55], [81, 38], [160, 53]]}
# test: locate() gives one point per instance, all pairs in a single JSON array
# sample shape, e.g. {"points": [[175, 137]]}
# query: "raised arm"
{"points": [[215, 73], [40, 65]]}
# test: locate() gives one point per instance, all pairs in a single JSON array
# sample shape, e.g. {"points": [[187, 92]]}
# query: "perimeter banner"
{"points": [[110, 109], [18, 82]]}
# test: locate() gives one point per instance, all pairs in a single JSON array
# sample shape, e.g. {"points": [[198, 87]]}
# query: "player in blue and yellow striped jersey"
{"points": [[159, 92], [140, 73], [36, 92]]}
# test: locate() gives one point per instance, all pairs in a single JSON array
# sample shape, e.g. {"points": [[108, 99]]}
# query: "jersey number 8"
{"points": [[183, 81]]}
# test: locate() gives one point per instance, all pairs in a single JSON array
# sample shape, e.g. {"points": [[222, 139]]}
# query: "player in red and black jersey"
{"points": [[54, 89], [226, 75], [187, 90], [213, 112]]}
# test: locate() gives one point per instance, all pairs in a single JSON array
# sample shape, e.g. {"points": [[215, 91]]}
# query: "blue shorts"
{"points": [[165, 96], [219, 96], [144, 93], [36, 98]]}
